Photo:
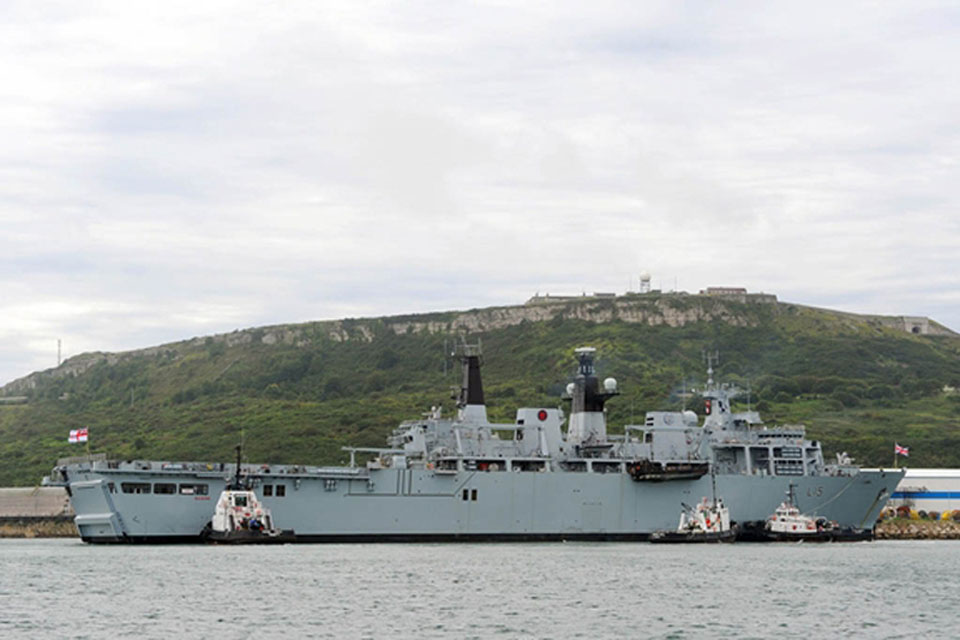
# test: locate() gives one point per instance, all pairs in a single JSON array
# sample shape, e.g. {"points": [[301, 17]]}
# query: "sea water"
{"points": [[65, 589]]}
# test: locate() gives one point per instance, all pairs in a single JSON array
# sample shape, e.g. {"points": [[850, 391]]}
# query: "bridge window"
{"points": [[606, 467], [135, 487], [281, 490], [193, 489], [165, 488], [473, 495], [466, 494], [267, 490]]}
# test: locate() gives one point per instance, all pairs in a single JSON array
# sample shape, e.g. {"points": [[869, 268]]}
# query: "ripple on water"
{"points": [[60, 589]]}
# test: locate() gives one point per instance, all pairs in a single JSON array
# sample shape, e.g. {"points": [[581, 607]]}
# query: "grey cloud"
{"points": [[192, 170]]}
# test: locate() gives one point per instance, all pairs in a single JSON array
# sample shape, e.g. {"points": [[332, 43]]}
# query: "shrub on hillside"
{"points": [[832, 404], [880, 391], [845, 398], [185, 396], [272, 391]]}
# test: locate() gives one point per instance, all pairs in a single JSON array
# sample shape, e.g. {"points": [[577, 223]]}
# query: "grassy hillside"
{"points": [[299, 393]]}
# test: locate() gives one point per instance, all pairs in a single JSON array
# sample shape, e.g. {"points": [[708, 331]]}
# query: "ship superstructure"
{"points": [[466, 478]]}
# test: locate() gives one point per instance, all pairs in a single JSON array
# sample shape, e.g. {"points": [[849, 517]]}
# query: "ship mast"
{"points": [[236, 476]]}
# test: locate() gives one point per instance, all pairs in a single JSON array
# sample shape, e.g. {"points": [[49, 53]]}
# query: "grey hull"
{"points": [[423, 505]]}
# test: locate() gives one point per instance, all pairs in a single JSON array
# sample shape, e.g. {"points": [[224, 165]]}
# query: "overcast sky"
{"points": [[174, 169]]}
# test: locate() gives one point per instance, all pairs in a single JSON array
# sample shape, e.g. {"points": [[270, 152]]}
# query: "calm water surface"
{"points": [[64, 589]]}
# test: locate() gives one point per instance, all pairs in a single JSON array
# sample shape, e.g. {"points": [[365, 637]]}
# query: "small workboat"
{"points": [[788, 524], [241, 518], [707, 522]]}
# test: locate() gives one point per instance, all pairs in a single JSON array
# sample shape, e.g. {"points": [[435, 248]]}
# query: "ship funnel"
{"points": [[470, 402]]}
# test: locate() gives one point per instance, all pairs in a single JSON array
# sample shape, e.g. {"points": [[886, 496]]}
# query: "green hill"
{"points": [[300, 392]]}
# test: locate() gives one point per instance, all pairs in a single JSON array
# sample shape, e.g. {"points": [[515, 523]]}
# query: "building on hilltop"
{"points": [[916, 324], [724, 291], [541, 299], [739, 294]]}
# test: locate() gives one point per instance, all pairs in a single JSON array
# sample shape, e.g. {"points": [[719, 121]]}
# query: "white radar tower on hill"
{"points": [[644, 282]]}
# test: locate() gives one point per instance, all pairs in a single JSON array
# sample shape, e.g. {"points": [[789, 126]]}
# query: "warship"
{"points": [[464, 478]]}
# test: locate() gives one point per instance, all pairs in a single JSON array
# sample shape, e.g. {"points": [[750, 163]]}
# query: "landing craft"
{"points": [[467, 479]]}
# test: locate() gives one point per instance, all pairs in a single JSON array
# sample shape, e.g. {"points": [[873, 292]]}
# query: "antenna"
{"points": [[236, 475], [713, 482], [712, 358], [58, 352]]}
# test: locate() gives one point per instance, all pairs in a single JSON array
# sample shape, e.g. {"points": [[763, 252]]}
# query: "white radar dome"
{"points": [[645, 275], [570, 388], [689, 418], [610, 385]]}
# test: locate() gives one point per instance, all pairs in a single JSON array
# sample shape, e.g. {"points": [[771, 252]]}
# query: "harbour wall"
{"points": [[35, 512], [39, 527], [906, 529]]}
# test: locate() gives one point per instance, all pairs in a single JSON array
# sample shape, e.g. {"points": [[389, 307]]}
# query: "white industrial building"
{"points": [[929, 490]]}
